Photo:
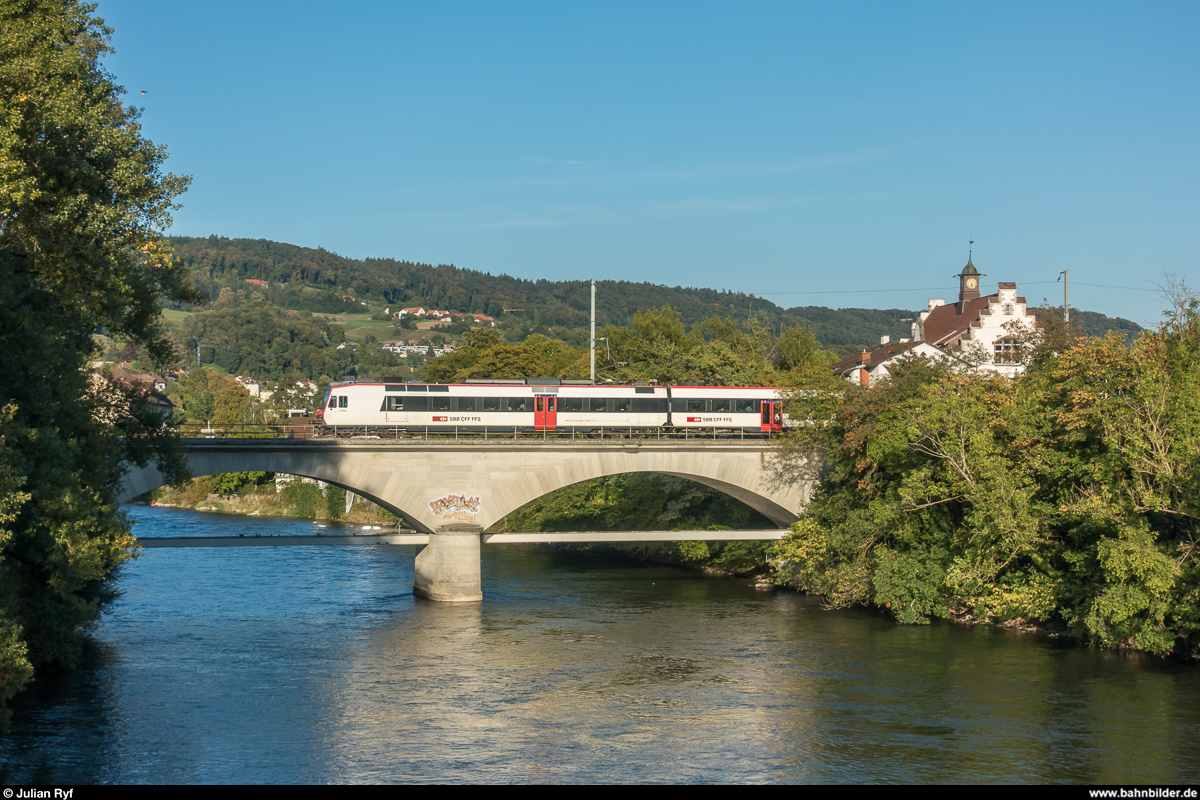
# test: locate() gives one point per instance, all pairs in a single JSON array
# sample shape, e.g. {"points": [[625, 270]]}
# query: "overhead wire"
{"points": [[943, 288]]}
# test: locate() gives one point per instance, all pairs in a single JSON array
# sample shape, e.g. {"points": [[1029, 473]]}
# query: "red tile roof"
{"points": [[876, 356], [948, 323]]}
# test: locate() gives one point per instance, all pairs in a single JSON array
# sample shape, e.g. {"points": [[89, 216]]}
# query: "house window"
{"points": [[1008, 309], [1007, 352]]}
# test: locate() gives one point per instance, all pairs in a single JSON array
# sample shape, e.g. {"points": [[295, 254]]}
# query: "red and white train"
{"points": [[547, 404]]}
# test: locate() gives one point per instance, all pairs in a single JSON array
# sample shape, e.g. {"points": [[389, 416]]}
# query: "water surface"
{"points": [[317, 665]]}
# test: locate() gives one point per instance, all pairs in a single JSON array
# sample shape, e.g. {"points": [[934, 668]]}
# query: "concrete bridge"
{"points": [[455, 490]]}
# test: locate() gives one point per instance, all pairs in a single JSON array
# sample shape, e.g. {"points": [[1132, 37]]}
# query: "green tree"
{"points": [[83, 201]]}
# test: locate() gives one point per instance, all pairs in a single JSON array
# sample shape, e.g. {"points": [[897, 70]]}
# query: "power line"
{"points": [[943, 289]]}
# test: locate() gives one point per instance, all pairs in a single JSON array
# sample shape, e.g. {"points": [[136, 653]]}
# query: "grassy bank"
{"points": [[256, 494]]}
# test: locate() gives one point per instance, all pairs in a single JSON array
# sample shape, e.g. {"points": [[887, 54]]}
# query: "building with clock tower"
{"points": [[968, 282], [980, 327]]}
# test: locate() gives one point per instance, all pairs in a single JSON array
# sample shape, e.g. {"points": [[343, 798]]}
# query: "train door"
{"points": [[545, 412], [772, 416]]}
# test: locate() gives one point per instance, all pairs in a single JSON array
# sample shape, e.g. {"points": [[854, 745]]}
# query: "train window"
{"points": [[416, 403], [439, 404], [697, 405], [418, 387], [342, 400], [464, 404], [437, 388], [678, 406], [493, 404], [393, 403], [570, 403], [745, 406], [394, 387], [624, 404], [650, 405], [517, 403], [598, 404], [721, 406]]}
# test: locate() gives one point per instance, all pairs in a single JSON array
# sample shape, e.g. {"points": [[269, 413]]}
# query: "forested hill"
{"points": [[321, 281]]}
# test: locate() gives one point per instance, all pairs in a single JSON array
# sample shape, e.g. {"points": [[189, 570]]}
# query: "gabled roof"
{"points": [[875, 356], [948, 323]]}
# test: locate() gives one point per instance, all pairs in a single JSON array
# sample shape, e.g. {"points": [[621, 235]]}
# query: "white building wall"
{"points": [[994, 325]]}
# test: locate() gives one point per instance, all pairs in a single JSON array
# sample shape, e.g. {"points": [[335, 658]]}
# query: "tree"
{"points": [[83, 201]]}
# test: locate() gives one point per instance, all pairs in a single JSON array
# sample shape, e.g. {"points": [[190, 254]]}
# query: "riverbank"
{"points": [[288, 499]]}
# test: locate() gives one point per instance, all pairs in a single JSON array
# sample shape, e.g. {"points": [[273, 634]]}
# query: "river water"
{"points": [[317, 665]]}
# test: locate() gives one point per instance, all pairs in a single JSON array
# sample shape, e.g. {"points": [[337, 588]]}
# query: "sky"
{"points": [[836, 154]]}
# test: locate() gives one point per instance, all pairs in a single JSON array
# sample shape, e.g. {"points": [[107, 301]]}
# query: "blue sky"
{"points": [[814, 154]]}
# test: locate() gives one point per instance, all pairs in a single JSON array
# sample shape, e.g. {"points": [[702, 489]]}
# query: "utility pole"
{"points": [[592, 347], [1066, 275]]}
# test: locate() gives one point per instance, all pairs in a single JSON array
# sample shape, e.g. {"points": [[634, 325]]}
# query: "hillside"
{"points": [[321, 281]]}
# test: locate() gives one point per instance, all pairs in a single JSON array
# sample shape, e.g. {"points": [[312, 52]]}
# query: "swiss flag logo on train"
{"points": [[693, 419], [441, 419]]}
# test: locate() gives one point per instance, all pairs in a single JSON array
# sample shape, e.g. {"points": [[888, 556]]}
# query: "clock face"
{"points": [[972, 283]]}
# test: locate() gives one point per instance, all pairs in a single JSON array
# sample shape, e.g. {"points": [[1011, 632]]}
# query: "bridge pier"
{"points": [[448, 568]]}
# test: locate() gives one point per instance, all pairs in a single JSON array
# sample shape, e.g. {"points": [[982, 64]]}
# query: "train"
{"points": [[550, 404]]}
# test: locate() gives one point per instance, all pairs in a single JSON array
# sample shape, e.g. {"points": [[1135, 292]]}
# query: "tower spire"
{"points": [[968, 287]]}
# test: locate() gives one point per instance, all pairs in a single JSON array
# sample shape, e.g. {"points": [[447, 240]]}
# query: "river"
{"points": [[317, 665]]}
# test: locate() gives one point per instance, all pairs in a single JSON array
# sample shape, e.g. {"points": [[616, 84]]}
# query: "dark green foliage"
{"points": [[229, 483], [1071, 494], [316, 279], [247, 335], [335, 501], [82, 203], [303, 497]]}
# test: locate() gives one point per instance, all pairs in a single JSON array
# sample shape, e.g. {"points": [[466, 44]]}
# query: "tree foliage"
{"points": [[1069, 494], [316, 279], [83, 200]]}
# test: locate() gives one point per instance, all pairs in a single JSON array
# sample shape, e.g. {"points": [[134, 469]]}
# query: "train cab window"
{"points": [[518, 403], [598, 404], [333, 401], [624, 404], [493, 403], [439, 403], [746, 406], [722, 406], [342, 400], [570, 403], [697, 405]]}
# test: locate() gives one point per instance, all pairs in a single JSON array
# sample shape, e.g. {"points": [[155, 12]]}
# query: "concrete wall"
{"points": [[435, 486]]}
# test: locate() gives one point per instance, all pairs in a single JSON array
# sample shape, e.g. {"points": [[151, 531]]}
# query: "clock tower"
{"points": [[968, 287]]}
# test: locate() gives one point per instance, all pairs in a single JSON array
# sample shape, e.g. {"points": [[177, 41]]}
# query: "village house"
{"points": [[876, 363], [151, 386], [983, 330]]}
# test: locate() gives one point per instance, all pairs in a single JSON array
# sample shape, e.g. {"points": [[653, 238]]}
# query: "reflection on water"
{"points": [[316, 664]]}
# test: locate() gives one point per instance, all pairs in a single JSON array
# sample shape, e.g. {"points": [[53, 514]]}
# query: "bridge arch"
{"points": [[437, 486]]}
